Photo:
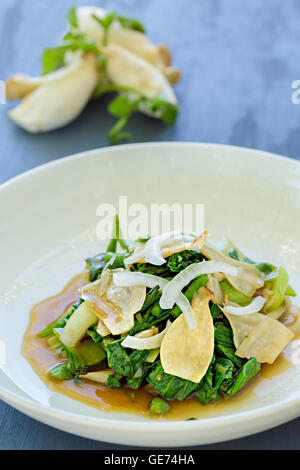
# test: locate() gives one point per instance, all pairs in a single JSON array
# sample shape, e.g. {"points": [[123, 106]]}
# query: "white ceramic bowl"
{"points": [[48, 218]]}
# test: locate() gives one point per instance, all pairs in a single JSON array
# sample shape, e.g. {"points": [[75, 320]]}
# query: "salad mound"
{"points": [[174, 315]]}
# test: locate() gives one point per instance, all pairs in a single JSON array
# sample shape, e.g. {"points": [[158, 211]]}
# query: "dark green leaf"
{"points": [[94, 335], [179, 261], [247, 372], [228, 351], [223, 333], [215, 311], [169, 386], [123, 363], [206, 391], [151, 321], [223, 371], [113, 382], [153, 295], [98, 262]]}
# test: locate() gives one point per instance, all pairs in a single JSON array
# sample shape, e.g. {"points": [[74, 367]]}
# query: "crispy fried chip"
{"points": [[249, 278], [260, 336], [242, 325], [114, 305], [187, 353], [266, 341]]}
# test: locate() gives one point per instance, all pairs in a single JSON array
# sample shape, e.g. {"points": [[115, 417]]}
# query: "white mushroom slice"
{"points": [[77, 325], [187, 353], [128, 70], [132, 40], [100, 376], [59, 99], [249, 278], [20, 85], [90, 27], [114, 305], [151, 342]]}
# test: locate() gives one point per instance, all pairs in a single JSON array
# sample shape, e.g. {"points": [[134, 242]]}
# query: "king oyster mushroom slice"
{"points": [[128, 70], [20, 85], [57, 98], [132, 40], [249, 278]]}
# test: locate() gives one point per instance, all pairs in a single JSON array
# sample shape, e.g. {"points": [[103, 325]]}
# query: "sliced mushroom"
{"points": [[56, 99], [128, 70], [132, 40]]}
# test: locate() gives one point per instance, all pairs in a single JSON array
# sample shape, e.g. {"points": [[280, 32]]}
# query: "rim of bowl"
{"points": [[29, 406]]}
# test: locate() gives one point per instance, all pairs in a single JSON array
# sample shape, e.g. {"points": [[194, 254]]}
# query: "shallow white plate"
{"points": [[48, 220]]}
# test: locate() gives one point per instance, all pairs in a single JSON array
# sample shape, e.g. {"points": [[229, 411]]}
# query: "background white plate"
{"points": [[48, 220]]}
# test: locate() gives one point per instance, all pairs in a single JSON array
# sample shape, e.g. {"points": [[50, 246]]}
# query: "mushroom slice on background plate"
{"points": [[130, 39], [127, 70], [56, 99]]}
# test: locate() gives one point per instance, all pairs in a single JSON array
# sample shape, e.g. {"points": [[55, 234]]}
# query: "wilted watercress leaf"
{"points": [[169, 386], [72, 17], [53, 58], [123, 363], [247, 372], [131, 23], [179, 261]]}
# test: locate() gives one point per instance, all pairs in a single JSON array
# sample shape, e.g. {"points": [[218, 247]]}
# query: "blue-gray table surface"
{"points": [[238, 58]]}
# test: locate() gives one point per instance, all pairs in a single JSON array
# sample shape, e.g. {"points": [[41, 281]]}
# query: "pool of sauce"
{"points": [[41, 359]]}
